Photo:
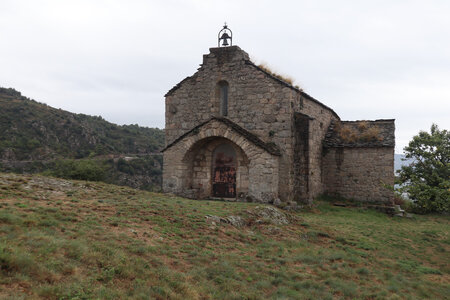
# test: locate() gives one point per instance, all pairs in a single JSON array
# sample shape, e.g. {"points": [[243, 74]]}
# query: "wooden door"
{"points": [[224, 172]]}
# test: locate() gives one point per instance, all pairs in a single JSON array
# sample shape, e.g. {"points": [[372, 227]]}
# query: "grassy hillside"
{"points": [[63, 239], [35, 131]]}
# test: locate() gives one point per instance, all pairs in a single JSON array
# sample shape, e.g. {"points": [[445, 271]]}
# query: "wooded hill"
{"points": [[35, 131], [37, 138]]}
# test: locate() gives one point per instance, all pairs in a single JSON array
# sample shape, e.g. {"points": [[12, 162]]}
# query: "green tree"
{"points": [[427, 179]]}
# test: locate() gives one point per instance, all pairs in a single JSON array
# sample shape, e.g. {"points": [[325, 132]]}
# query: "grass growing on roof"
{"points": [[74, 239], [362, 132], [288, 79]]}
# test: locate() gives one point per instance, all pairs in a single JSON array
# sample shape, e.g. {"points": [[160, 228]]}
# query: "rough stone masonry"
{"points": [[236, 131]]}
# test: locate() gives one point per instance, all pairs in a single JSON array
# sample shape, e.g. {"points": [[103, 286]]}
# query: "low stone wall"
{"points": [[359, 173]]}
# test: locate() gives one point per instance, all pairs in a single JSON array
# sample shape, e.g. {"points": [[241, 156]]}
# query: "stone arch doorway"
{"points": [[188, 162], [224, 170], [202, 159]]}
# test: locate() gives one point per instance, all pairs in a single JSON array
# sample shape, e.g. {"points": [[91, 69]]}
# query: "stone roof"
{"points": [[358, 134], [269, 147]]}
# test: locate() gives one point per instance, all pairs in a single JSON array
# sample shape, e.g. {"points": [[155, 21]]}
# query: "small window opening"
{"points": [[223, 87]]}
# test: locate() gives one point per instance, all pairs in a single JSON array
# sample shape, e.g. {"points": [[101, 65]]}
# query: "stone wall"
{"points": [[359, 173], [320, 117], [255, 101], [301, 157]]}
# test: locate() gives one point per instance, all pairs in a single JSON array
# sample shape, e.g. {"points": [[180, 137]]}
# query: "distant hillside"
{"points": [[37, 138], [399, 162], [30, 130]]}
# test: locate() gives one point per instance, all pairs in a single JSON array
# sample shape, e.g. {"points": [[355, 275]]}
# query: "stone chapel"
{"points": [[236, 131]]}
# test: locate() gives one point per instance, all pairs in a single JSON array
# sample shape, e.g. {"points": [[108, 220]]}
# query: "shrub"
{"points": [[426, 180], [90, 170]]}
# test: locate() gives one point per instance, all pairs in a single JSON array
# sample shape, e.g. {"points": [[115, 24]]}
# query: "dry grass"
{"points": [[362, 132], [348, 134], [363, 125], [371, 134], [287, 79]]}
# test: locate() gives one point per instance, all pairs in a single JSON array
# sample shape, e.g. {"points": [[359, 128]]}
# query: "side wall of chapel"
{"points": [[362, 174]]}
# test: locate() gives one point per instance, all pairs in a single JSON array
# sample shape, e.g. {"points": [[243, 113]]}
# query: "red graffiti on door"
{"points": [[224, 172]]}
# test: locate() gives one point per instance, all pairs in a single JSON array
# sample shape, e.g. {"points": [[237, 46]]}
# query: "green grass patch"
{"points": [[99, 241]]}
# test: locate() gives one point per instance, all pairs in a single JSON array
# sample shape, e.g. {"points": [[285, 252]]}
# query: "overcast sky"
{"points": [[365, 59]]}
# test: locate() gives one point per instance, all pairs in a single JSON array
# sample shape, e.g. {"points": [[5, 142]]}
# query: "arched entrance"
{"points": [[190, 163], [214, 167], [224, 170]]}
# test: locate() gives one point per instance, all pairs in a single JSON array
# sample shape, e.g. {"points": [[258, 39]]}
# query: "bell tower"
{"points": [[224, 35]]}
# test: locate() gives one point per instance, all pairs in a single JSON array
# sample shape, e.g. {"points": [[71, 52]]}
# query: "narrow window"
{"points": [[223, 87]]}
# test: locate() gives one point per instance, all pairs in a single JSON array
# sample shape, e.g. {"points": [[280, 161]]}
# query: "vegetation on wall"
{"points": [[284, 78], [426, 180], [362, 132]]}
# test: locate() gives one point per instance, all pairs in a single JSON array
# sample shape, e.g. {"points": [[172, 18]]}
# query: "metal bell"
{"points": [[225, 38]]}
